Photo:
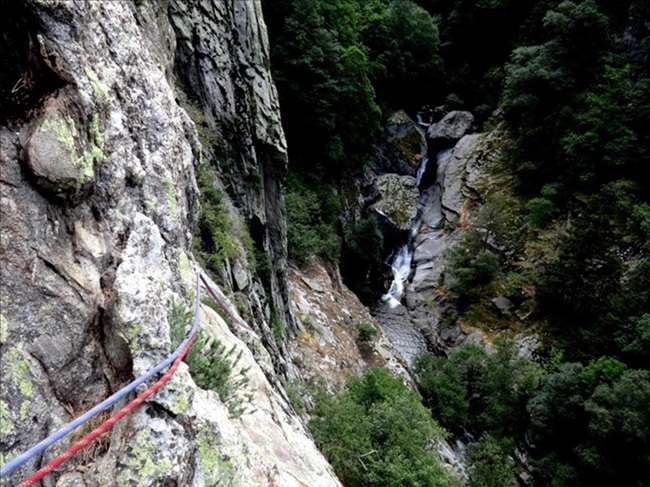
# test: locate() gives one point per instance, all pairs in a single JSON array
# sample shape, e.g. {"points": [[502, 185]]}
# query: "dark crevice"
{"points": [[25, 78]]}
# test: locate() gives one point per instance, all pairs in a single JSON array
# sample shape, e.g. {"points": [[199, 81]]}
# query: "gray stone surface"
{"points": [[98, 205], [454, 177], [450, 129], [404, 148], [402, 332], [398, 200], [223, 55]]}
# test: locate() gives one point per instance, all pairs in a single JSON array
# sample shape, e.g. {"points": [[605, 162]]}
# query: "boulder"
{"points": [[449, 130], [453, 177], [406, 145], [398, 199]]}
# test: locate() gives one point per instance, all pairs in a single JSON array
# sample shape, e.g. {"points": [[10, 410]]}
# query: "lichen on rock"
{"points": [[62, 160], [399, 197]]}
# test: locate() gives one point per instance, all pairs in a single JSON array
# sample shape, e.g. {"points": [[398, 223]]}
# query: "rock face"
{"points": [[404, 148], [454, 195], [223, 56], [326, 350], [398, 200], [98, 204], [447, 131], [454, 185]]}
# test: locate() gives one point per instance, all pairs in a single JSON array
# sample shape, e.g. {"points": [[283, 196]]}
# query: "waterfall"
{"points": [[400, 263], [400, 260], [429, 214], [421, 169]]}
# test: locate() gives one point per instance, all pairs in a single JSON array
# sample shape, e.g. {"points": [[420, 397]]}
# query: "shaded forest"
{"points": [[568, 81]]}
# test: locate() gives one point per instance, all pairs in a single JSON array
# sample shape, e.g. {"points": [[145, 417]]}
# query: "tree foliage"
{"points": [[213, 239], [328, 103], [310, 217], [472, 267], [571, 78], [361, 261], [403, 44], [490, 464], [590, 425], [476, 392], [377, 433]]}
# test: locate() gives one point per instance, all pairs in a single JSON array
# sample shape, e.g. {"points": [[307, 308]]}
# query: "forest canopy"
{"points": [[568, 82]]}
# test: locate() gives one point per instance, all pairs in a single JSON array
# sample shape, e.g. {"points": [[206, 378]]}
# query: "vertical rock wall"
{"points": [[223, 57], [98, 204]]}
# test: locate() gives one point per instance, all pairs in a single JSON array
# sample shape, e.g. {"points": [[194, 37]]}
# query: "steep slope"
{"points": [[222, 57], [99, 204]]}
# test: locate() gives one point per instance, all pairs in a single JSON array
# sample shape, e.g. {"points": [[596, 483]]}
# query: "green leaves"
{"points": [[335, 63], [443, 391], [619, 413], [471, 268], [403, 43], [533, 75], [592, 425], [212, 366], [309, 222], [478, 392], [540, 211], [213, 239], [490, 464], [378, 434], [328, 103], [361, 261], [367, 332]]}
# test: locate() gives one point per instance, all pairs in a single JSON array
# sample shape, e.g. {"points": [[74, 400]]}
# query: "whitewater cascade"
{"points": [[421, 168], [400, 263], [429, 211]]}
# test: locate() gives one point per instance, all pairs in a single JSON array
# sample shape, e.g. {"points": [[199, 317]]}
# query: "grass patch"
{"points": [[214, 241], [367, 332]]}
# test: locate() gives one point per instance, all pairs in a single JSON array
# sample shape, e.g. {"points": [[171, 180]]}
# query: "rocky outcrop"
{"points": [[443, 200], [222, 56], [405, 146], [98, 207], [454, 195], [450, 129], [445, 207], [398, 197], [327, 349]]}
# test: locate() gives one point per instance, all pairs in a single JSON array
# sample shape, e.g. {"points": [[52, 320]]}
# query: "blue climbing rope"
{"points": [[70, 427]]}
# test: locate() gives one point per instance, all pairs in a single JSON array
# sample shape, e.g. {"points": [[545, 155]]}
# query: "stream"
{"points": [[415, 265], [416, 268]]}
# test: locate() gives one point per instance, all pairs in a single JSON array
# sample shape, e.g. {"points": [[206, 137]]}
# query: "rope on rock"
{"points": [[174, 359], [222, 304], [82, 443]]}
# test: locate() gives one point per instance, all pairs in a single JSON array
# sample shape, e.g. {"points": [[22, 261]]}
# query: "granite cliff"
{"points": [[99, 207]]}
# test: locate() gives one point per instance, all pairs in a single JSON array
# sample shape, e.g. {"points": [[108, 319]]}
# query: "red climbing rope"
{"points": [[49, 468]]}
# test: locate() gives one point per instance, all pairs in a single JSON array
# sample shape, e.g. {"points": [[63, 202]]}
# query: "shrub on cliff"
{"points": [[377, 433]]}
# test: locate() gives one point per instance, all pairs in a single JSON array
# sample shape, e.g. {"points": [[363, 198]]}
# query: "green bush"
{"points": [[476, 392], [377, 433], [264, 269], [443, 391], [214, 239], [211, 364], [362, 264], [367, 332], [540, 211], [471, 268], [310, 222], [192, 105], [490, 464]]}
